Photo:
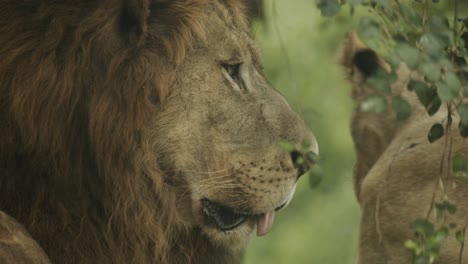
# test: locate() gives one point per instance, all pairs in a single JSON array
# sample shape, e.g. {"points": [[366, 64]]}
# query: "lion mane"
{"points": [[76, 97]]}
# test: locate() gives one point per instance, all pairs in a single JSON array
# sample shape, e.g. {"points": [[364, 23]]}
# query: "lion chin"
{"points": [[139, 131]]}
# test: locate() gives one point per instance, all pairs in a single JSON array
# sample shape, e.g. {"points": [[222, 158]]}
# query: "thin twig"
{"points": [[424, 18], [455, 22], [460, 255], [448, 130], [431, 205], [377, 220]]}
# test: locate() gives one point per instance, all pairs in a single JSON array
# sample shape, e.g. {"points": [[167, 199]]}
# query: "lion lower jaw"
{"points": [[223, 217], [227, 219]]}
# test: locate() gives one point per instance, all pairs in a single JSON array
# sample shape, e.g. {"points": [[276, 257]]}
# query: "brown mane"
{"points": [[75, 162]]}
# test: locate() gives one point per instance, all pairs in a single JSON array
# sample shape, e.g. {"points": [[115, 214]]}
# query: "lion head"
{"points": [[141, 131]]}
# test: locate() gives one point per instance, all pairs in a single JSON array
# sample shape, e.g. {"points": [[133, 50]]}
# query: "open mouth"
{"points": [[226, 219]]}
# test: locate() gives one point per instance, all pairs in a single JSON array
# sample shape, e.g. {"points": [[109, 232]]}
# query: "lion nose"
{"points": [[303, 160], [299, 163]]}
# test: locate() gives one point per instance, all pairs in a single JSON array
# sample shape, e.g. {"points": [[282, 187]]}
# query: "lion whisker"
{"points": [[197, 172], [217, 178]]}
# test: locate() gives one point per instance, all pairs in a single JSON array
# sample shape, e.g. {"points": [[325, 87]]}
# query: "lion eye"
{"points": [[232, 69], [234, 72]]}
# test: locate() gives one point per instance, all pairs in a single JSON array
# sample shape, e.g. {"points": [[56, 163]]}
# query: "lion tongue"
{"points": [[265, 222]]}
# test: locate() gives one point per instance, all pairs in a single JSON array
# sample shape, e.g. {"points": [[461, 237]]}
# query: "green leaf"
{"points": [[434, 106], [286, 145], [458, 163], [401, 107], [439, 24], [422, 260], [408, 54], [311, 157], [422, 226], [329, 8], [453, 83], [425, 93], [444, 92], [384, 3], [374, 104], [306, 144], [439, 211], [463, 112], [412, 245], [355, 2], [300, 160], [446, 206], [460, 235], [369, 29], [463, 130], [315, 176], [430, 44], [436, 132], [440, 235], [465, 90], [463, 179], [431, 71], [451, 208], [382, 80], [445, 63], [410, 16]]}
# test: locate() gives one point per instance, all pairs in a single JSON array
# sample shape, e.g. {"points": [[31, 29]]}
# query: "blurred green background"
{"points": [[320, 225]]}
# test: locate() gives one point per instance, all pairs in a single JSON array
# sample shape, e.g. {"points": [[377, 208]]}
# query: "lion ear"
{"points": [[133, 19], [360, 62]]}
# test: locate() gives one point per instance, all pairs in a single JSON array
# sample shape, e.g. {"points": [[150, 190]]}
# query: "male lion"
{"points": [[138, 131], [397, 171]]}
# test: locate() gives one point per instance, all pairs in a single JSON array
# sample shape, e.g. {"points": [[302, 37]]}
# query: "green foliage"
{"points": [[460, 235], [315, 176], [305, 160], [328, 7], [401, 107], [460, 168], [382, 80], [427, 95], [374, 104], [436, 132], [418, 34], [284, 144], [458, 164], [426, 246], [425, 41], [463, 110], [407, 54], [445, 206]]}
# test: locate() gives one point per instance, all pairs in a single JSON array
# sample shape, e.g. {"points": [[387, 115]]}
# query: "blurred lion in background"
{"points": [[397, 170]]}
